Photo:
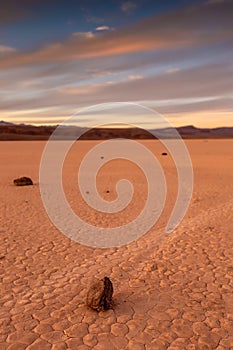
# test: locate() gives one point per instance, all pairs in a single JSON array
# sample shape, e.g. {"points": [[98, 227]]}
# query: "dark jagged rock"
{"points": [[23, 181], [99, 295], [164, 154]]}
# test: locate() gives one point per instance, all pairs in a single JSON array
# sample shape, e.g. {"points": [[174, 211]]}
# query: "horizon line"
{"points": [[119, 126]]}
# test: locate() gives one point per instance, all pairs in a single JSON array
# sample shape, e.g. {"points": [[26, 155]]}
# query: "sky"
{"points": [[59, 56]]}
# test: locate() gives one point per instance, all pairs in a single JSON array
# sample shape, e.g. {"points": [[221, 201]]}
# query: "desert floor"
{"points": [[170, 291]]}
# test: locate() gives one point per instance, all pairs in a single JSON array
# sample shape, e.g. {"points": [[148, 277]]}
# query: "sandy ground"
{"points": [[170, 292]]}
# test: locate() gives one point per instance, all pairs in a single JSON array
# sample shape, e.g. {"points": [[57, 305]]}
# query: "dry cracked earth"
{"points": [[170, 291]]}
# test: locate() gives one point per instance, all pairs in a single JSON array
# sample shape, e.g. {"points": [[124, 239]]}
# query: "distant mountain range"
{"points": [[18, 132]]}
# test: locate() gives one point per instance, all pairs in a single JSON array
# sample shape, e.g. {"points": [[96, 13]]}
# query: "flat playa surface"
{"points": [[170, 292]]}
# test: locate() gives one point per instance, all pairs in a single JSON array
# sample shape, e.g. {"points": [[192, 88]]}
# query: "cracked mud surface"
{"points": [[170, 292]]}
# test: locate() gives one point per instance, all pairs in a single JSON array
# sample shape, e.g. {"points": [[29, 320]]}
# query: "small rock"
{"points": [[164, 154], [23, 181], [99, 295], [154, 267]]}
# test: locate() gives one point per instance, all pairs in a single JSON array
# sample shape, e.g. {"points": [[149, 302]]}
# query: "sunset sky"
{"points": [[57, 56]]}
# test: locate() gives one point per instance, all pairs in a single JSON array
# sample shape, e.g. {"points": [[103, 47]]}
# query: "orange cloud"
{"points": [[183, 28], [86, 46]]}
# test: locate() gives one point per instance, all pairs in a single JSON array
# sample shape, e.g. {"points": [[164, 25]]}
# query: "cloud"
{"points": [[102, 28], [198, 82], [4, 50], [172, 70], [83, 35], [77, 91], [183, 64], [135, 76], [190, 27], [94, 19], [128, 6], [207, 80]]}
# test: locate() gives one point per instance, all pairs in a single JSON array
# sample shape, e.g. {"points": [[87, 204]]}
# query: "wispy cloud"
{"points": [[94, 19], [77, 91], [135, 76], [183, 64], [4, 50], [184, 28], [209, 80], [172, 70], [128, 6], [83, 35]]}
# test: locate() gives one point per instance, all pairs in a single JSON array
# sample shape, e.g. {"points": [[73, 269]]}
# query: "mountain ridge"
{"points": [[13, 132]]}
